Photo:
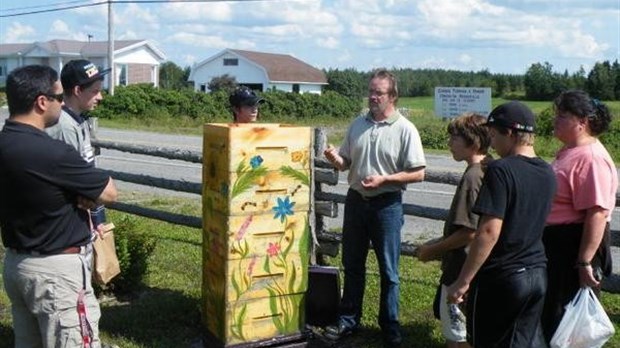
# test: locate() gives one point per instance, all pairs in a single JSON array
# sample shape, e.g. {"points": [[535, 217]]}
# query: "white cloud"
{"points": [[59, 27], [329, 42], [18, 33], [581, 45], [129, 35], [314, 18], [288, 30], [198, 40], [137, 16], [465, 59], [209, 41], [203, 11]]}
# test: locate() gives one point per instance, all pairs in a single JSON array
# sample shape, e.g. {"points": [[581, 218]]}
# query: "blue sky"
{"points": [[504, 36]]}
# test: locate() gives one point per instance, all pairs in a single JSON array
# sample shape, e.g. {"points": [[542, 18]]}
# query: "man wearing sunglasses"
{"points": [[244, 103], [43, 184]]}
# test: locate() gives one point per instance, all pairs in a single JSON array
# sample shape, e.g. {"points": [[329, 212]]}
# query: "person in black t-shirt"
{"points": [[504, 275], [44, 187]]}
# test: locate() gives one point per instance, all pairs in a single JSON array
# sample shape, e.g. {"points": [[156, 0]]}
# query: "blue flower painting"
{"points": [[284, 208], [256, 161]]}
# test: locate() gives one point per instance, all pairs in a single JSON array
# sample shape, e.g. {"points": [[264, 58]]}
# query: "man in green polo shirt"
{"points": [[383, 153]]}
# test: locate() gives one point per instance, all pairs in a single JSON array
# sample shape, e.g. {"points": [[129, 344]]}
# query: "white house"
{"points": [[260, 71], [136, 61]]}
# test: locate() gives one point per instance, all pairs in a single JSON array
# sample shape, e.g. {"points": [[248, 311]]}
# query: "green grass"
{"points": [[167, 312]]}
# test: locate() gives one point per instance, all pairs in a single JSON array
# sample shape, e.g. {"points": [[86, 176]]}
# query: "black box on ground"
{"points": [[323, 296]]}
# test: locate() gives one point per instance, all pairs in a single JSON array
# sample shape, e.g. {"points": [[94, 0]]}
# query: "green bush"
{"points": [[133, 248], [145, 102], [433, 132]]}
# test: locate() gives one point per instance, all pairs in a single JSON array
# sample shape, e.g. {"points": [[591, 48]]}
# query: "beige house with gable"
{"points": [[136, 61]]}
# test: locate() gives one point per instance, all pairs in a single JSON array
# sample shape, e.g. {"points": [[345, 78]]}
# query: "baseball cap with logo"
{"points": [[244, 96], [513, 115], [80, 72]]}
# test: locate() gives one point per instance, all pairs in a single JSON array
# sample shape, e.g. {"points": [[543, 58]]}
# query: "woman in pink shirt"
{"points": [[577, 234]]}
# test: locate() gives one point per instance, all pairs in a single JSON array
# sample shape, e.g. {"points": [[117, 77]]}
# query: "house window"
{"points": [[296, 88], [231, 61], [203, 87], [122, 76]]}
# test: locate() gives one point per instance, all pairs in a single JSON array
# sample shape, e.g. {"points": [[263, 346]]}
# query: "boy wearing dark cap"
{"points": [[82, 82], [244, 103], [504, 275]]}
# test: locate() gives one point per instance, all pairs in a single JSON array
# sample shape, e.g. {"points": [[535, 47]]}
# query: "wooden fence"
{"points": [[325, 202]]}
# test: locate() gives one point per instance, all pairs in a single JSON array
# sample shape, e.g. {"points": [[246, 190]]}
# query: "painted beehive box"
{"points": [[255, 233]]}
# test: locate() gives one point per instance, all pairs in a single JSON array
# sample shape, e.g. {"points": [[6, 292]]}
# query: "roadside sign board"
{"points": [[453, 101]]}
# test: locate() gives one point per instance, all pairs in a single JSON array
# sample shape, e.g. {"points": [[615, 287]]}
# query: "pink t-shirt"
{"points": [[586, 177]]}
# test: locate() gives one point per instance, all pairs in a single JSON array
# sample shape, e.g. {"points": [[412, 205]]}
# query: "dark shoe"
{"points": [[392, 338], [393, 341], [336, 332]]}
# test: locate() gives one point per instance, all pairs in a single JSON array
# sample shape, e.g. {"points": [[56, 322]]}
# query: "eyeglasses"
{"points": [[58, 97], [377, 93]]}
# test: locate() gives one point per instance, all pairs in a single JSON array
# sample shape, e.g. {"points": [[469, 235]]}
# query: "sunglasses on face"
{"points": [[58, 97]]}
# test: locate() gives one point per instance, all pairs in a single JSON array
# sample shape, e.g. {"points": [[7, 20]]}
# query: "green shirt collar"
{"points": [[394, 116]]}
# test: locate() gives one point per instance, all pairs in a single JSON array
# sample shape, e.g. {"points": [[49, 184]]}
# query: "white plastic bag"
{"points": [[584, 324]]}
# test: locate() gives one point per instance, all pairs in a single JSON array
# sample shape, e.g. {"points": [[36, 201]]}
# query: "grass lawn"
{"points": [[166, 313]]}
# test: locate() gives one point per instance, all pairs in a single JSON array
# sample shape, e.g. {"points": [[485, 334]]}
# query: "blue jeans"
{"points": [[378, 220]]}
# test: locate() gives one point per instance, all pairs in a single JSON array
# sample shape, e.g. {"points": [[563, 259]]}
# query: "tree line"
{"points": [[540, 81]]}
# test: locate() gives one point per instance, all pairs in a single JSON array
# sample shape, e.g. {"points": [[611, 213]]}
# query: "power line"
{"points": [[41, 6], [71, 7], [54, 9]]}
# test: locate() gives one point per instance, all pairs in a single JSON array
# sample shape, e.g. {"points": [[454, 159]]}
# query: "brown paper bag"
{"points": [[106, 262]]}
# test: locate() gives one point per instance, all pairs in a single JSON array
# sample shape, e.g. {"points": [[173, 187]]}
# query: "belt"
{"points": [[69, 250], [384, 195]]}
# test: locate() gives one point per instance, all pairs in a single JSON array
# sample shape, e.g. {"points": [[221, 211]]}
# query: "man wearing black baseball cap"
{"points": [[244, 103], [82, 82], [506, 265]]}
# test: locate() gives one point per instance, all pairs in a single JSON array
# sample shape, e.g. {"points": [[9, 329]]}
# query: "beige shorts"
{"points": [[43, 291], [452, 319]]}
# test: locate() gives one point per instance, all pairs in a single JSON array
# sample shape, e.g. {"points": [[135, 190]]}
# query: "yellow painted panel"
{"points": [[242, 194], [258, 319], [236, 237], [257, 277], [226, 146]]}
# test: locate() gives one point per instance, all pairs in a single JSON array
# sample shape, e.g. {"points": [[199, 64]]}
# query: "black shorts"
{"points": [[505, 311]]}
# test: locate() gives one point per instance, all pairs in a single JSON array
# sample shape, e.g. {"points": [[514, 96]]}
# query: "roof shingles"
{"points": [[285, 68]]}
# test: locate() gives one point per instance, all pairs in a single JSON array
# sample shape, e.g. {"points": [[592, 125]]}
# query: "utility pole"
{"points": [[112, 81]]}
